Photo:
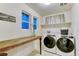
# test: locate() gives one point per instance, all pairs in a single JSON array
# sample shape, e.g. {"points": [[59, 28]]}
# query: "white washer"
{"points": [[66, 46], [49, 42]]}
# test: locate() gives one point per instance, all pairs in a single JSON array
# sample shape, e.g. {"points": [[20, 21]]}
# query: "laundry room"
{"points": [[39, 29]]}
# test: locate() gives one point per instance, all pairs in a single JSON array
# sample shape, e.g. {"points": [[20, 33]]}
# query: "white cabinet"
{"points": [[47, 20], [62, 18], [57, 19], [52, 20], [67, 17]]}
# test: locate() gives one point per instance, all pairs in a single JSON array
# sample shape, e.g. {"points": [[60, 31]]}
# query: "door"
{"points": [[65, 45], [49, 42]]}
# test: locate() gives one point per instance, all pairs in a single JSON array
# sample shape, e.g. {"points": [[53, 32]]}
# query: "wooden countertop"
{"points": [[10, 44]]}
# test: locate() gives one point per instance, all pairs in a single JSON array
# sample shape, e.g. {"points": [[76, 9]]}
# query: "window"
{"points": [[34, 23], [25, 20]]}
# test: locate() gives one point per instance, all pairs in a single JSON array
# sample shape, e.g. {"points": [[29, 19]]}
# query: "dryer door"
{"points": [[49, 42], [65, 45]]}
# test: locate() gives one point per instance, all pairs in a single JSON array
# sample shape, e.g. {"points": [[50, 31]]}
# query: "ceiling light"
{"points": [[46, 3]]}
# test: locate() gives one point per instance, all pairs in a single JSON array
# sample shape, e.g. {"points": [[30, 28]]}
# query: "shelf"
{"points": [[10, 44], [57, 25]]}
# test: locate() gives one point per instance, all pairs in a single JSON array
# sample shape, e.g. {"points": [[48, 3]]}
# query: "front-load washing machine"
{"points": [[66, 46], [49, 42]]}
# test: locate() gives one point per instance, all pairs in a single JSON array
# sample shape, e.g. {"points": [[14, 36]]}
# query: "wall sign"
{"points": [[5, 17]]}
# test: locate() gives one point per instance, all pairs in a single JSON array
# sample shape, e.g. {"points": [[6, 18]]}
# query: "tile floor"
{"points": [[44, 53]]}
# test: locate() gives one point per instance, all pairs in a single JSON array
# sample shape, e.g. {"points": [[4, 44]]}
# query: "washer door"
{"points": [[49, 42], [65, 45]]}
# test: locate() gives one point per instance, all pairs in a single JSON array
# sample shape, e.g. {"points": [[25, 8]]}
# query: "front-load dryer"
{"points": [[49, 43], [66, 46]]}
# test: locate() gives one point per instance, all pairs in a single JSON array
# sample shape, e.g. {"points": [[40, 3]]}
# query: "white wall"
{"points": [[75, 24], [13, 30]]}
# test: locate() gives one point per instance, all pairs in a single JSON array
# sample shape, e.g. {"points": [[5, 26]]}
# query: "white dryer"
{"points": [[49, 42], [66, 46]]}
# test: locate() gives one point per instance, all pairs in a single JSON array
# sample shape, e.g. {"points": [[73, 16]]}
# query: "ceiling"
{"points": [[44, 10]]}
